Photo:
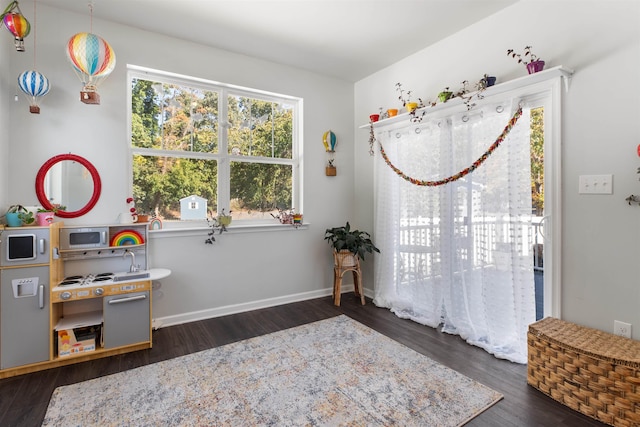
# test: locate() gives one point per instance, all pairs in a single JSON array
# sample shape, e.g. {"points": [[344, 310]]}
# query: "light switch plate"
{"points": [[595, 184]]}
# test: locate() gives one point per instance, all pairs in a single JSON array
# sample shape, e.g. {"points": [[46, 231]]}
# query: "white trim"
{"points": [[521, 87], [178, 319], [553, 182], [188, 229]]}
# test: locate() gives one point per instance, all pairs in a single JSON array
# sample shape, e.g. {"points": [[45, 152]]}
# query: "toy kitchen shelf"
{"points": [[97, 315]]}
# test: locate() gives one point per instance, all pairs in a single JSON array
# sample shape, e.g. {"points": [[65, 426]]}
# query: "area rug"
{"points": [[327, 373]]}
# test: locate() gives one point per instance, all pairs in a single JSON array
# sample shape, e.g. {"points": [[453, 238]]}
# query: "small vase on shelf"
{"points": [[535, 66]]}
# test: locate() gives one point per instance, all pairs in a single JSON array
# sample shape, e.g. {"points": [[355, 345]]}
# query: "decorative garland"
{"points": [[463, 172]]}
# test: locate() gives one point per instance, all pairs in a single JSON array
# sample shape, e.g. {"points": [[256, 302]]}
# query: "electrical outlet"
{"points": [[622, 329]]}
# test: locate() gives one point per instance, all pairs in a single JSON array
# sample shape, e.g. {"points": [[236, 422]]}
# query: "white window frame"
{"points": [[222, 156]]}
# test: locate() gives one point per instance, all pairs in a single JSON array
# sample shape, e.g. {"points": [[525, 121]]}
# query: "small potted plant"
{"points": [[528, 58], [445, 95], [485, 82], [344, 239], [17, 215], [223, 219], [215, 225], [285, 217], [405, 98], [44, 217]]}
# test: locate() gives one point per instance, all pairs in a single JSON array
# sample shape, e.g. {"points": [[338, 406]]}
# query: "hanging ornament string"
{"points": [[463, 172], [35, 27]]}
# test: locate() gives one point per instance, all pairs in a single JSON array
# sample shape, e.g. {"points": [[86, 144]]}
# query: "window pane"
{"points": [[160, 182], [173, 117], [260, 128], [258, 189]]}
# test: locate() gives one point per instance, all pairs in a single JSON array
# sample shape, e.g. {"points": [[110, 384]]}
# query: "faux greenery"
{"points": [[355, 241], [216, 224], [524, 58]]}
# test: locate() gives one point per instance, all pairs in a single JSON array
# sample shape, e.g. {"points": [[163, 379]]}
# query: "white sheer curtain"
{"points": [[458, 255]]}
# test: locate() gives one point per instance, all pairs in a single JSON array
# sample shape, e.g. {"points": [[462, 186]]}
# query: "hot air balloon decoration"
{"points": [[93, 59], [16, 24], [35, 85], [329, 141]]}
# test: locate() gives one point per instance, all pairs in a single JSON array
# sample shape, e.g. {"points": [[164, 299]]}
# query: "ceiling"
{"points": [[347, 39]]}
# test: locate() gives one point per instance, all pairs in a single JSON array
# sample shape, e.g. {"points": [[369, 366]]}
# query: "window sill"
{"points": [[201, 229]]}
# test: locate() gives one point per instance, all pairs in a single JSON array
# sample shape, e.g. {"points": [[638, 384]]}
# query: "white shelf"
{"points": [[79, 320], [524, 82]]}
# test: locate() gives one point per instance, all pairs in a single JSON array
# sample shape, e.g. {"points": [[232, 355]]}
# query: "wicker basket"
{"points": [[590, 371]]}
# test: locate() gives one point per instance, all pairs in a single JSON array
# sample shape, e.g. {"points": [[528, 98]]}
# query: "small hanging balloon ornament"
{"points": [[329, 141], [93, 59], [35, 85], [16, 24]]}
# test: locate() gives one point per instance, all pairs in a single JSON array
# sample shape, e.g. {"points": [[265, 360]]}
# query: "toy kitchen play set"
{"points": [[71, 294]]}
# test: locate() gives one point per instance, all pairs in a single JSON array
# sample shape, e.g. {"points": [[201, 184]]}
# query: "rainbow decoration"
{"points": [[155, 224], [126, 238]]}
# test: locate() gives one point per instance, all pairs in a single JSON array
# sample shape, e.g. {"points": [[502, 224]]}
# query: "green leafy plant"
{"points": [[16, 209], [24, 215], [55, 208], [355, 241]]}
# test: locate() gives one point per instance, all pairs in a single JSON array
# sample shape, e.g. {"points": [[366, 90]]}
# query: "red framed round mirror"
{"points": [[69, 185]]}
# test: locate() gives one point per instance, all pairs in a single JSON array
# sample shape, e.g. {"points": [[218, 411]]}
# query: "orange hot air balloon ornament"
{"points": [[93, 59], [16, 24]]}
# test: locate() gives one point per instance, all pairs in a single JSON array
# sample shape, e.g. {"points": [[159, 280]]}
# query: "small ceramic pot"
{"points": [[224, 219], [392, 112], [411, 106], [445, 96], [44, 219], [374, 117], [535, 66], [13, 219]]}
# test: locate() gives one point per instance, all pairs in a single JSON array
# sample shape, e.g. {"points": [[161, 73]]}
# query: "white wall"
{"points": [[6, 50], [600, 40], [240, 267]]}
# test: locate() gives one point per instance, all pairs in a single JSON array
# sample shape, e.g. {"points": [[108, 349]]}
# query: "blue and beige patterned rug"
{"points": [[327, 373]]}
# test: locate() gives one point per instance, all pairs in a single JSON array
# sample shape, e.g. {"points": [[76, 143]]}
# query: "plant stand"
{"points": [[346, 261]]}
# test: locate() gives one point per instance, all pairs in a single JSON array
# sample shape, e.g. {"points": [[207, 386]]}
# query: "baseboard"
{"points": [[178, 319]]}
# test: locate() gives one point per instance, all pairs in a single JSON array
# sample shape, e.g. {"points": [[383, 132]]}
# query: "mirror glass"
{"points": [[69, 185]]}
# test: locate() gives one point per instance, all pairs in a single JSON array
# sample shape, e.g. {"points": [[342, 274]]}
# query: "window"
{"points": [[231, 148]]}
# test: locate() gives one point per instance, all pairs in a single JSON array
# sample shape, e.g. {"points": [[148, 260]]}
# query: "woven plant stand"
{"points": [[590, 371]]}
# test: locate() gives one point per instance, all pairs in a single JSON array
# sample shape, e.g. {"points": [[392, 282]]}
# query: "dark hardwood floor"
{"points": [[24, 399]]}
